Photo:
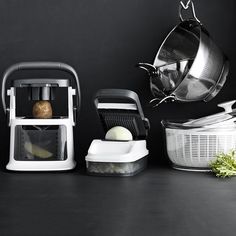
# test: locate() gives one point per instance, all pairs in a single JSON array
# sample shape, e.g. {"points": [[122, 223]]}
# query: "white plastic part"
{"points": [[46, 165], [68, 122], [119, 133], [195, 148], [222, 118], [227, 106], [116, 151]]}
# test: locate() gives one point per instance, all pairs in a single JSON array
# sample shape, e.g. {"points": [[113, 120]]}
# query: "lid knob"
{"points": [[227, 105]]}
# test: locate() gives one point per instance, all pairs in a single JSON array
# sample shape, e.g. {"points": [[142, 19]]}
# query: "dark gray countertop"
{"points": [[159, 201]]}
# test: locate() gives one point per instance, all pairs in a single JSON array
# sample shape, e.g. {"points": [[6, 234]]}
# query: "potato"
{"points": [[42, 110], [119, 133]]}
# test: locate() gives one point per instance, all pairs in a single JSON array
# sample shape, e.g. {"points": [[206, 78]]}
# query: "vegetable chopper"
{"points": [[192, 144], [117, 107], [41, 143]]}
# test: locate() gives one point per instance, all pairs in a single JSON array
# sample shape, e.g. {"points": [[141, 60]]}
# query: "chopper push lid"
{"points": [[41, 88], [41, 65], [120, 107]]}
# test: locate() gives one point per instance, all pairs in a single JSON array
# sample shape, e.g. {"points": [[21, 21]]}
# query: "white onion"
{"points": [[119, 133]]}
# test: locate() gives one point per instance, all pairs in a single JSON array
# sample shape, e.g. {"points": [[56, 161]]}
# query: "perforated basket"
{"points": [[194, 149]]}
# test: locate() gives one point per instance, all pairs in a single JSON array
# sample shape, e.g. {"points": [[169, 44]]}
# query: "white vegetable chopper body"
{"points": [[115, 157], [41, 144]]}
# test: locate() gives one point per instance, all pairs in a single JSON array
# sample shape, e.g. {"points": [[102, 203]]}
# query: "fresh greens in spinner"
{"points": [[224, 165]]}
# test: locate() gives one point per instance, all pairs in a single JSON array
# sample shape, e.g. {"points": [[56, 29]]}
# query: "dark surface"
{"points": [[158, 201], [103, 40]]}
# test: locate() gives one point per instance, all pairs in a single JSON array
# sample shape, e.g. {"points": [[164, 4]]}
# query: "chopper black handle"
{"points": [[119, 94], [41, 66], [122, 94]]}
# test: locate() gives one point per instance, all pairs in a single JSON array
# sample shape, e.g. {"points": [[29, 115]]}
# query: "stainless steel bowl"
{"points": [[188, 66]]}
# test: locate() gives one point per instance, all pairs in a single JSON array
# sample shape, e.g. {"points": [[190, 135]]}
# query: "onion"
{"points": [[119, 133]]}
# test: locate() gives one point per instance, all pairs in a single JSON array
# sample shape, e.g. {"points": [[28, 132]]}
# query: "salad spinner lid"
{"points": [[120, 107], [222, 119]]}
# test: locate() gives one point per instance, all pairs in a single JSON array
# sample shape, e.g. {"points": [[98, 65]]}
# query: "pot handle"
{"points": [[156, 102], [186, 6], [151, 69], [41, 66]]}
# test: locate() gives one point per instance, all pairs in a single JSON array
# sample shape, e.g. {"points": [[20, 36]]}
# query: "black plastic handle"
{"points": [[41, 66], [119, 94], [137, 124]]}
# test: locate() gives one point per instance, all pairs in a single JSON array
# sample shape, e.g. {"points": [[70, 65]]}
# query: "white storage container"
{"points": [[116, 158]]}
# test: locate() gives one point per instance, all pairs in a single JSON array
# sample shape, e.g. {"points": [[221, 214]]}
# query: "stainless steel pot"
{"points": [[188, 66]]}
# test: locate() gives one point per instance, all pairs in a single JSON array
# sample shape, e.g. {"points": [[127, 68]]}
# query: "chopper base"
{"points": [[40, 166], [116, 158]]}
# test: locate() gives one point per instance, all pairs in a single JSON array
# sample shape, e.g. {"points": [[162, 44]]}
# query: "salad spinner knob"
{"points": [[227, 105]]}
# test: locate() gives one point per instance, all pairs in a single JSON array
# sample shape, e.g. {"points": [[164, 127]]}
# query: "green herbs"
{"points": [[224, 165]]}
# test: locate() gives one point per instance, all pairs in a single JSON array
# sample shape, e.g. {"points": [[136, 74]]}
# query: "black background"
{"points": [[103, 40]]}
